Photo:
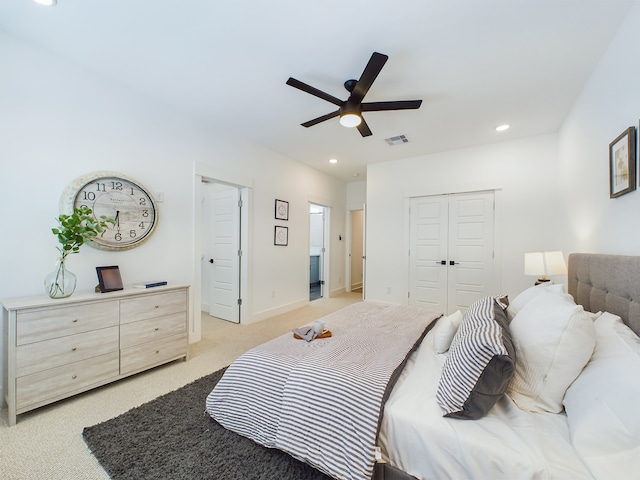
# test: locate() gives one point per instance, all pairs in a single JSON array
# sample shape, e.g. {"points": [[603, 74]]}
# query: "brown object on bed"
{"points": [[608, 283], [325, 334]]}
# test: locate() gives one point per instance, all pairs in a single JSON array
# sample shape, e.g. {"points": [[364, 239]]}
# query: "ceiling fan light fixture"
{"points": [[350, 120]]}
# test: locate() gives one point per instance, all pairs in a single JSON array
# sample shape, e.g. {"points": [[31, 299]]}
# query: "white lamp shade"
{"points": [[544, 263], [534, 263], [555, 263]]}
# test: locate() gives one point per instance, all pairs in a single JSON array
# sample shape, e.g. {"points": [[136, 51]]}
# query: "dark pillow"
{"points": [[480, 364]]}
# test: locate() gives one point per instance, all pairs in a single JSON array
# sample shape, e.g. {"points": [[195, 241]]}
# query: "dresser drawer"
{"points": [[35, 325], [150, 306], [65, 380], [35, 357], [144, 331], [153, 353]]}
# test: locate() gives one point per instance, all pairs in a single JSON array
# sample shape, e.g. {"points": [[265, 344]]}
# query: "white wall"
{"points": [[356, 195], [522, 172], [608, 105], [59, 121], [554, 190]]}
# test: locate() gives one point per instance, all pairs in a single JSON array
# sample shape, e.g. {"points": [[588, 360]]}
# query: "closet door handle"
{"points": [[451, 262], [442, 262]]}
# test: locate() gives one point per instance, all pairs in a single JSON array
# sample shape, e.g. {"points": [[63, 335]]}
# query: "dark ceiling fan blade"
{"points": [[395, 105], [318, 120], [370, 73], [313, 91], [364, 129]]}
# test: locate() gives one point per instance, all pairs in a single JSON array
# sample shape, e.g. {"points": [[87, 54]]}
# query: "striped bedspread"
{"points": [[322, 401]]}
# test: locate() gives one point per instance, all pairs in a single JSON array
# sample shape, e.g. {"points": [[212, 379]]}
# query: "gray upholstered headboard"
{"points": [[607, 283]]}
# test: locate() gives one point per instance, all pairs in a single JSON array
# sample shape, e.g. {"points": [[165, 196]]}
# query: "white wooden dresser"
{"points": [[59, 348]]}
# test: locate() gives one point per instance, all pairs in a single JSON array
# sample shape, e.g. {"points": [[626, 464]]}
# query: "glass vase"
{"points": [[60, 283]]}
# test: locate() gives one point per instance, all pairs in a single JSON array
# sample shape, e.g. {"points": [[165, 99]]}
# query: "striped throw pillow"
{"points": [[480, 364]]}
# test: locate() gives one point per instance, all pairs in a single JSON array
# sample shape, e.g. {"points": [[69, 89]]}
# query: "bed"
{"points": [[551, 391]]}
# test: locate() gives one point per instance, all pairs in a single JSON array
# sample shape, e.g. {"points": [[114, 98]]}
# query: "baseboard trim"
{"points": [[259, 316]]}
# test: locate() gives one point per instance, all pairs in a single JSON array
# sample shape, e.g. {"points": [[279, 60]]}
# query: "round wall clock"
{"points": [[117, 196]]}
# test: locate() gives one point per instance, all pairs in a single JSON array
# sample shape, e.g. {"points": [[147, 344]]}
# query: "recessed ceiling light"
{"points": [[46, 3], [502, 128], [333, 160]]}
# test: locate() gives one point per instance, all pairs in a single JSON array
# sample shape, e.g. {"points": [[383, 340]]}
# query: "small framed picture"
{"points": [[282, 210], [622, 163], [281, 236], [109, 279]]}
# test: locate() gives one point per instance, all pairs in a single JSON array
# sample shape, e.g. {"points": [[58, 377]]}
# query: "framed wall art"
{"points": [[282, 210], [622, 163], [281, 236]]}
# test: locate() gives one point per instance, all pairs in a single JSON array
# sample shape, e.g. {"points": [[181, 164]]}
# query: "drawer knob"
{"points": [[157, 351], [74, 349], [156, 329], [157, 306], [74, 377], [75, 320]]}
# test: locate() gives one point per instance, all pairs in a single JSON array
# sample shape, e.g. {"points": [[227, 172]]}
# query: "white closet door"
{"points": [[225, 268], [428, 234], [451, 258], [470, 249]]}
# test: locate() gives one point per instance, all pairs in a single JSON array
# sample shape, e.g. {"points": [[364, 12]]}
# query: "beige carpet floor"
{"points": [[47, 443]]}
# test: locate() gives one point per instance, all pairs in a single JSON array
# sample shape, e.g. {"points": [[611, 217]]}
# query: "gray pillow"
{"points": [[480, 364]]}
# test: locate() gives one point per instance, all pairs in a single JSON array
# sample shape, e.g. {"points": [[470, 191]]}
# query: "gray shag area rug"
{"points": [[172, 437]]}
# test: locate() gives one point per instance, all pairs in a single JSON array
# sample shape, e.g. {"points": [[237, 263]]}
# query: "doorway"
{"points": [[356, 252], [221, 235], [317, 251]]}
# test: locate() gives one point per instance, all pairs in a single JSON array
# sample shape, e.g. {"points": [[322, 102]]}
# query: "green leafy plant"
{"points": [[72, 231], [76, 229]]}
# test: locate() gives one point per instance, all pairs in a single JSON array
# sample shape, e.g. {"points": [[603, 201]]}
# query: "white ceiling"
{"points": [[475, 64]]}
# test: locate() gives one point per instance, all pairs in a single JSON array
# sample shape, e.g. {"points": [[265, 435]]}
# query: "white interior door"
{"points": [[356, 255], [451, 260], [224, 262], [428, 234], [470, 249]]}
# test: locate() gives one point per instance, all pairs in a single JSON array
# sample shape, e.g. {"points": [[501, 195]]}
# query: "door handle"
{"points": [[442, 262], [451, 262]]}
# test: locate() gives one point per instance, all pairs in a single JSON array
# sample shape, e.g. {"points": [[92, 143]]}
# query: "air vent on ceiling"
{"points": [[399, 140]]}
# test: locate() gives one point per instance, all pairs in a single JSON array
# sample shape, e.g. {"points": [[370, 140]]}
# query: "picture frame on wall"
{"points": [[282, 210], [281, 236], [622, 163]]}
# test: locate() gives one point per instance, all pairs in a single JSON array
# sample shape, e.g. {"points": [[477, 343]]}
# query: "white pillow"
{"points": [[444, 331], [553, 339], [530, 293], [602, 403]]}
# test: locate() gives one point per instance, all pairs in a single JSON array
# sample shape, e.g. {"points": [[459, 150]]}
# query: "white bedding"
{"points": [[508, 443]]}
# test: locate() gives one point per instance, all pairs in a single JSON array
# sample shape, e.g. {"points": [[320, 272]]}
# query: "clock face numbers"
{"points": [[127, 203]]}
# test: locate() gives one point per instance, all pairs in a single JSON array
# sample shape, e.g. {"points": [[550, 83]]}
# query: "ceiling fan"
{"points": [[350, 110]]}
